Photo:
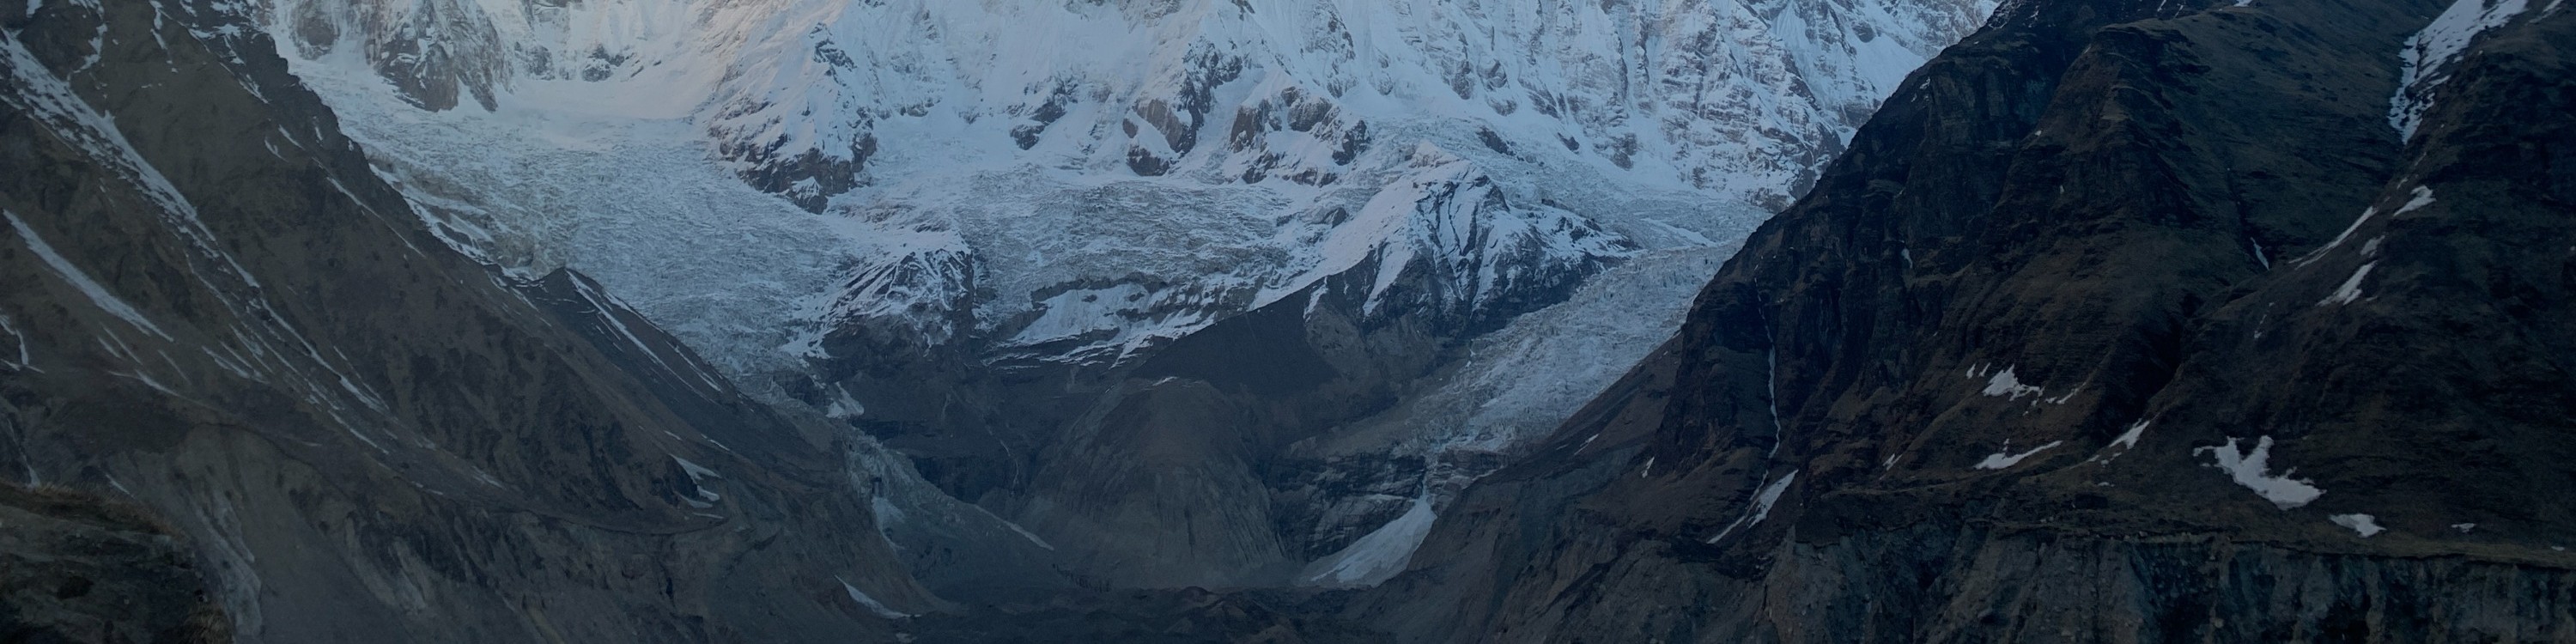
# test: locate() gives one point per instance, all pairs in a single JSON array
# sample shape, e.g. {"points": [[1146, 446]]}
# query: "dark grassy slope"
{"points": [[214, 308], [2127, 206]]}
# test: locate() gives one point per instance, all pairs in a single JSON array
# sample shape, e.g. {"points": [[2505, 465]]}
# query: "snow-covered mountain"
{"points": [[981, 229]]}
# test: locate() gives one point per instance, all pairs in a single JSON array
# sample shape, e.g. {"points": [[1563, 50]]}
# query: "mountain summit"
{"points": [[1030, 246]]}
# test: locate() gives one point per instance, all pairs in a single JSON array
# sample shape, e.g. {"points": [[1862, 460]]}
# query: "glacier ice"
{"points": [[1063, 183]]}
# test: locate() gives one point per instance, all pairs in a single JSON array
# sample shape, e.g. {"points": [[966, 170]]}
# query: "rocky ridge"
{"points": [[2121, 322], [211, 308]]}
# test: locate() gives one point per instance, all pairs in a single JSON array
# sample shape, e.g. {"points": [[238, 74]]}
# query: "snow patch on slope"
{"points": [[2001, 460], [2428, 56], [2253, 470], [864, 601], [2005, 384], [2362, 524], [1762, 502], [2350, 291], [1377, 556], [98, 294], [2128, 440]]}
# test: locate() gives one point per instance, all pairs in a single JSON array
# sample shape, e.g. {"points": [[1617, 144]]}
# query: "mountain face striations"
{"points": [[340, 429]]}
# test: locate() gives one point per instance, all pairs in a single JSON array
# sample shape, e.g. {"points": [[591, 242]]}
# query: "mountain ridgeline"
{"points": [[320, 424], [2121, 322], [1194, 292], [1178, 321]]}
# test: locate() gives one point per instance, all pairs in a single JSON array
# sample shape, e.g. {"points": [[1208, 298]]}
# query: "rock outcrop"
{"points": [[80, 568]]}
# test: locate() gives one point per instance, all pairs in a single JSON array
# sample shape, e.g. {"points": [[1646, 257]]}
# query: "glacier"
{"points": [[1042, 186]]}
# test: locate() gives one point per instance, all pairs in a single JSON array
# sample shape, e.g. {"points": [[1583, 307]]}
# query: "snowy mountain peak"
{"points": [[813, 98], [959, 225], [1077, 180]]}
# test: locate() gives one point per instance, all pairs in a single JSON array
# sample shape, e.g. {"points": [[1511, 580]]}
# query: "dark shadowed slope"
{"points": [[2122, 321], [79, 568], [209, 305]]}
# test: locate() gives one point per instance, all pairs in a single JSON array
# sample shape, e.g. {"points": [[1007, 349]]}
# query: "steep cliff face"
{"points": [[1028, 244], [2120, 322], [210, 306]]}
